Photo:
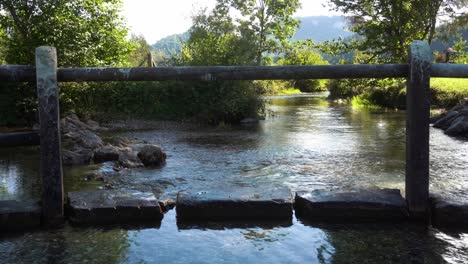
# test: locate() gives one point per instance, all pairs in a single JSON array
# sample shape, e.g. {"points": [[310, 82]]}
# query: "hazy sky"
{"points": [[156, 19]]}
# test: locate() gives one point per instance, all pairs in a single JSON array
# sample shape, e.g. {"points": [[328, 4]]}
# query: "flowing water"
{"points": [[308, 143]]}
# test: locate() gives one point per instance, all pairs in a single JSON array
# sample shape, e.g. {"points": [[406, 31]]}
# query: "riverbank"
{"points": [[391, 93]]}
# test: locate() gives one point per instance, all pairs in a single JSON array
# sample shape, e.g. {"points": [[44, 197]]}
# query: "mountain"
{"points": [[321, 28], [318, 28], [171, 44]]}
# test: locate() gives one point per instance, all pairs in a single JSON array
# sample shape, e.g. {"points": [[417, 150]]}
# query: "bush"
{"points": [[346, 88], [210, 102], [389, 93], [18, 104]]}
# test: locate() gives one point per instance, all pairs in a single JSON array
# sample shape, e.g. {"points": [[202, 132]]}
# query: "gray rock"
{"points": [[152, 155], [76, 158], [106, 153], [113, 207], [463, 112], [458, 127], [446, 121], [128, 158], [351, 206], [234, 204]]}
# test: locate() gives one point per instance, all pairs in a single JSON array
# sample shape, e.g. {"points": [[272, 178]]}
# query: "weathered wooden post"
{"points": [[150, 59], [51, 161], [417, 130]]}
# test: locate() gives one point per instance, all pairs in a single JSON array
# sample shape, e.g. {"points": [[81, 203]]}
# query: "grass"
{"points": [[447, 92], [289, 91], [361, 102]]}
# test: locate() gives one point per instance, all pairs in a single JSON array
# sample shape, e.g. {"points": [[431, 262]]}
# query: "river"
{"points": [[306, 143]]}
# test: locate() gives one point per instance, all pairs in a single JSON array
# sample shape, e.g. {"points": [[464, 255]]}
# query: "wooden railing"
{"points": [[418, 72]]}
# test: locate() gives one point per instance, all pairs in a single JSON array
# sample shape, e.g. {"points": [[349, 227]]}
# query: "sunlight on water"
{"points": [[309, 144]]}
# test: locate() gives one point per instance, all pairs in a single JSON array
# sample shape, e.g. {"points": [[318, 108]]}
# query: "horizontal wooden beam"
{"points": [[223, 73], [17, 139], [24, 73], [449, 70], [17, 73]]}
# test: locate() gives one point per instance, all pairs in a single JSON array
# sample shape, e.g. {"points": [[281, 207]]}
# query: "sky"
{"points": [[156, 19]]}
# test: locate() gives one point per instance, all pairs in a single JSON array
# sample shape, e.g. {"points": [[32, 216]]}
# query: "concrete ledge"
{"points": [[113, 207], [19, 215], [377, 205], [235, 204], [447, 213]]}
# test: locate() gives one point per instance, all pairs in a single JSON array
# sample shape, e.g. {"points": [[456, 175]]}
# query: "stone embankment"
{"points": [[455, 121]]}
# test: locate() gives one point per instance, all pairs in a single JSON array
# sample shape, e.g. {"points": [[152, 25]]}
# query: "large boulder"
{"points": [[447, 120], [78, 141], [76, 157], [152, 155], [128, 158], [106, 153], [458, 127]]}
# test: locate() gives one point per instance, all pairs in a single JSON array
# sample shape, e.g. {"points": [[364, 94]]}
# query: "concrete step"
{"points": [[449, 213], [235, 204], [375, 205], [113, 207], [19, 215]]}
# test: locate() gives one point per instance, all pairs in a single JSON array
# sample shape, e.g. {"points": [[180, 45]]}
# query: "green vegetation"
{"points": [[447, 92], [304, 53], [385, 29], [93, 33]]}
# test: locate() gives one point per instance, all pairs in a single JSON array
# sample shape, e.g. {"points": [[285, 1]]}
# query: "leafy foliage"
{"points": [[389, 26], [268, 24], [461, 48], [303, 53], [139, 56], [85, 32]]}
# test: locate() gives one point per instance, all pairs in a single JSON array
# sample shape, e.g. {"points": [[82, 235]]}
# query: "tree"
{"points": [[269, 23], [303, 53], [214, 40], [389, 26], [85, 32], [139, 56]]}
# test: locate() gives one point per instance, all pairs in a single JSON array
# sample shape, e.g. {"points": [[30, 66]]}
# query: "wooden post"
{"points": [[150, 59], [51, 161], [417, 130]]}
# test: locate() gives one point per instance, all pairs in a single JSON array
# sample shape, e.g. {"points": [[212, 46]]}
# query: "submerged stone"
{"points": [[351, 206], [113, 207], [448, 213], [235, 204], [19, 215]]}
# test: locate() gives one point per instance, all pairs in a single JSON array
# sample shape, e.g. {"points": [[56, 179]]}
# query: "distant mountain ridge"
{"points": [[322, 28], [318, 28]]}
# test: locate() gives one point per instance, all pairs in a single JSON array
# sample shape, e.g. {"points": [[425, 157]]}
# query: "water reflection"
{"points": [[67, 245], [308, 144], [19, 170]]}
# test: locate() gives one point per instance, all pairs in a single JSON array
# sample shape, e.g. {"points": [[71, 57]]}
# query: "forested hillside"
{"points": [[317, 28]]}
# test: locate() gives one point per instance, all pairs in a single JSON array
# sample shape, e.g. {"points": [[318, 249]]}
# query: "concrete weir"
{"points": [[376, 205], [113, 207], [235, 204], [19, 215], [448, 213]]}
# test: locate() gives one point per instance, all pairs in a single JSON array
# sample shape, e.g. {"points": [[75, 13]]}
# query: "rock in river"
{"points": [[455, 121], [152, 155], [106, 153]]}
